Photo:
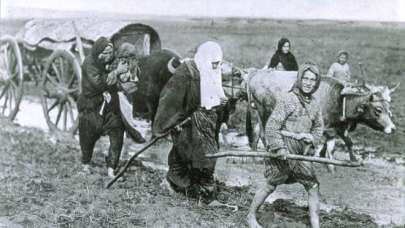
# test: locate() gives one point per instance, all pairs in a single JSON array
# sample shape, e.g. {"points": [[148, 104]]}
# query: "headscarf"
{"points": [[126, 50], [98, 47], [297, 87], [288, 60], [211, 90]]}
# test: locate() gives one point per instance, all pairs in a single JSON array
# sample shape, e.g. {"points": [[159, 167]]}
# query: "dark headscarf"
{"points": [[126, 50], [98, 47], [297, 87], [288, 60]]}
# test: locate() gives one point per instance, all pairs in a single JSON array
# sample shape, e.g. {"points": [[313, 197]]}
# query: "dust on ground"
{"points": [[42, 186]]}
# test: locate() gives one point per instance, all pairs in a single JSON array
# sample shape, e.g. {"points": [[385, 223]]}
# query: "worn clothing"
{"points": [[94, 84], [180, 99], [92, 123], [287, 172], [282, 61], [339, 71], [92, 126], [296, 115]]}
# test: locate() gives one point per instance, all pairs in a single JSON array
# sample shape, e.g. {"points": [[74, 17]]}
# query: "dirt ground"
{"points": [[42, 186]]}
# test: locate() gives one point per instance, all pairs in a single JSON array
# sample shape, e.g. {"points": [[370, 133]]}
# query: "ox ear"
{"points": [[395, 87]]}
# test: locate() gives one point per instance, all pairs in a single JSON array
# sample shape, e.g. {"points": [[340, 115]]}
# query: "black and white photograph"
{"points": [[202, 113]]}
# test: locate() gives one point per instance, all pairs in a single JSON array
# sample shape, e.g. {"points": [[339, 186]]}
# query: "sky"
{"points": [[374, 10]]}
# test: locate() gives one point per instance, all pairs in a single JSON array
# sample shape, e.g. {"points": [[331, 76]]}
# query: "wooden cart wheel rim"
{"points": [[17, 53], [67, 56]]}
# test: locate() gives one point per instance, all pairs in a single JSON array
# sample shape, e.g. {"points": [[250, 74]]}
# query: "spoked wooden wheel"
{"points": [[11, 77], [61, 87]]}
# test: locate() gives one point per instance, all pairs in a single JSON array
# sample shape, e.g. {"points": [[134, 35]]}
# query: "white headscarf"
{"points": [[211, 90]]}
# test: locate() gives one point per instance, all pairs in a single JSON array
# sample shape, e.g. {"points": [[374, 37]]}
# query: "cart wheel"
{"points": [[11, 77], [60, 86]]}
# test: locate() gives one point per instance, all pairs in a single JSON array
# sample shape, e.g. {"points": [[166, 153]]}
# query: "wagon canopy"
{"points": [[53, 34]]}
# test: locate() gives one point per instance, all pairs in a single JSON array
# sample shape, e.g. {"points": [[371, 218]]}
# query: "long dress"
{"points": [[181, 99]]}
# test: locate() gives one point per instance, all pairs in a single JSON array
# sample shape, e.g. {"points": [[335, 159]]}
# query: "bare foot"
{"points": [[252, 222]]}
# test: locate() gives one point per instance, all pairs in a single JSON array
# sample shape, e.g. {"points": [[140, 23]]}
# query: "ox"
{"points": [[371, 107]]}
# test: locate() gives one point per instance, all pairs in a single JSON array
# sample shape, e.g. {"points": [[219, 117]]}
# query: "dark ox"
{"points": [[159, 67], [155, 71], [371, 107]]}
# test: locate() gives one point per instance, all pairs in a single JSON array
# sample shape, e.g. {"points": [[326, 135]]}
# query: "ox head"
{"points": [[375, 110], [233, 79]]}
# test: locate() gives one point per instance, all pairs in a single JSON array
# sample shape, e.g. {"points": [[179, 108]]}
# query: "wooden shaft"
{"points": [[288, 156], [142, 150]]}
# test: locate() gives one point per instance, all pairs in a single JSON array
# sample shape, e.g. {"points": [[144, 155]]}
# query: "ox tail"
{"points": [[249, 126], [248, 123]]}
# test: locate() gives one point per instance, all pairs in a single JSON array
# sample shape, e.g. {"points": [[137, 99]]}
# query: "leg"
{"points": [[116, 137], [88, 135], [261, 195], [224, 131], [330, 149], [178, 175], [313, 203], [349, 143]]}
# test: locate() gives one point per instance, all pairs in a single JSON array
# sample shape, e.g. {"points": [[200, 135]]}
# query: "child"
{"points": [[341, 69]]}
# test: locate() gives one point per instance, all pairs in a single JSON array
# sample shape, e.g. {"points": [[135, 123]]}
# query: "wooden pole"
{"points": [[78, 42], [288, 156], [142, 150]]}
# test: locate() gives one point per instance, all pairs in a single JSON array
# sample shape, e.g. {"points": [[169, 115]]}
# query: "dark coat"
{"points": [[180, 99], [288, 60], [94, 76]]}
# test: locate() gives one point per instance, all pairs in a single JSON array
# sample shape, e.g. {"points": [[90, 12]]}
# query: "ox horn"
{"points": [[170, 66], [395, 87]]}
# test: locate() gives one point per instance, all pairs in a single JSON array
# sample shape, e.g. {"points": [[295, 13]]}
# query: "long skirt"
{"points": [[187, 163]]}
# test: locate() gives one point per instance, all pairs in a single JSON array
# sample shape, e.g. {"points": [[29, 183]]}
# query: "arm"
{"points": [[96, 79], [171, 109], [275, 123], [349, 74], [317, 127]]}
